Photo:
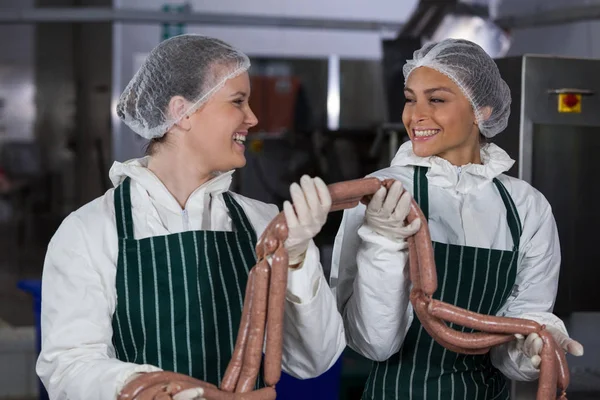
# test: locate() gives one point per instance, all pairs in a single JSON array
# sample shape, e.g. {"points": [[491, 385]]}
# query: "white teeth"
{"points": [[427, 132], [239, 137]]}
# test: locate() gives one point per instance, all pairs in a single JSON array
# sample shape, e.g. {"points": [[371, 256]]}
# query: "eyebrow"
{"points": [[239, 93], [431, 90]]}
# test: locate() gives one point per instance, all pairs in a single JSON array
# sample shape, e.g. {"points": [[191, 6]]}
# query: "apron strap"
{"points": [[420, 189], [123, 216], [512, 216], [421, 196], [240, 221]]}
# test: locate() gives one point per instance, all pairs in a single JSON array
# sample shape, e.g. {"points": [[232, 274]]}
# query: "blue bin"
{"points": [[324, 387], [34, 288]]}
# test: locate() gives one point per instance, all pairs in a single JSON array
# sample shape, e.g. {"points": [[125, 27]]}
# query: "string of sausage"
{"points": [[493, 330], [262, 317]]}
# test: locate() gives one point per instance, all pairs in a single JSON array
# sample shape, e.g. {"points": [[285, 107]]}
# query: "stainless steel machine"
{"points": [[554, 135]]}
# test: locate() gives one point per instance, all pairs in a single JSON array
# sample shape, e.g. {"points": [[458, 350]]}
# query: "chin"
{"points": [[423, 151], [240, 165], [239, 162]]}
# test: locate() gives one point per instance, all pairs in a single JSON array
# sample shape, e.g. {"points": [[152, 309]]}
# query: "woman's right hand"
{"points": [[387, 211]]}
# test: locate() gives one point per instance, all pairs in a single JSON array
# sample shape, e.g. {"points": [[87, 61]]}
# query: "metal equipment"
{"points": [[554, 135]]}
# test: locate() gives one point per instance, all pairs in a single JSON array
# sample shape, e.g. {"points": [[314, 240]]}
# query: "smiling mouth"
{"points": [[239, 138], [424, 133]]}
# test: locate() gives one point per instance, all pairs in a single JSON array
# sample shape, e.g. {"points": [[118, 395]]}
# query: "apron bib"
{"points": [[477, 279], [180, 296]]}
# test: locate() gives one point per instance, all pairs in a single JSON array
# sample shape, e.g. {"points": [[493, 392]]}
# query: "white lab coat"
{"points": [[77, 359], [370, 275]]}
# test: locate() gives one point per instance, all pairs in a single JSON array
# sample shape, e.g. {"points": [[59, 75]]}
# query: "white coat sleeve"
{"points": [[313, 331], [534, 292], [370, 278], [77, 360]]}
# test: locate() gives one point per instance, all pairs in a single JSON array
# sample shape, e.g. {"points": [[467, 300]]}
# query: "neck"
{"points": [[468, 153], [179, 176]]}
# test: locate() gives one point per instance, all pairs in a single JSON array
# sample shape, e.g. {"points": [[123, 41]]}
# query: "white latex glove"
{"points": [[190, 394], [532, 345], [387, 212], [306, 217]]}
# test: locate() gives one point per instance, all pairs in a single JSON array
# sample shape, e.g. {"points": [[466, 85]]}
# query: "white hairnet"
{"points": [[475, 73], [191, 66]]}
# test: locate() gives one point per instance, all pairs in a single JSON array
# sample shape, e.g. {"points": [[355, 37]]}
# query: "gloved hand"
{"points": [[387, 211], [306, 217], [129, 379], [190, 394], [532, 345]]}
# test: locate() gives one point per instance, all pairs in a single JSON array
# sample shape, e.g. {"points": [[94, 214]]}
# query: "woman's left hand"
{"points": [[532, 345], [306, 217]]}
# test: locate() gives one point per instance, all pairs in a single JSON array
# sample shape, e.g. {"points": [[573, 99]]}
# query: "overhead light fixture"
{"points": [[436, 20], [475, 28]]}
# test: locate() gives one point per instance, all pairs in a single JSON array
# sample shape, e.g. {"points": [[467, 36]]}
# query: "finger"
{"points": [[323, 192], [403, 206], [300, 204], [310, 193], [528, 346], [574, 347], [190, 394], [377, 201], [413, 227], [537, 346], [536, 361], [290, 214], [565, 342], [519, 336], [392, 198]]}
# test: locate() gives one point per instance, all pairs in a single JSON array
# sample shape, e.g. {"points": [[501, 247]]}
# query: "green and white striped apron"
{"points": [[180, 296], [477, 279]]}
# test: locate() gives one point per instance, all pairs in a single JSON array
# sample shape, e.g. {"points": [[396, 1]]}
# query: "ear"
{"points": [[486, 113], [177, 108]]}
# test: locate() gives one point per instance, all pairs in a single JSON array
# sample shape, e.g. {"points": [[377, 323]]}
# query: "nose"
{"points": [[419, 113], [250, 119]]}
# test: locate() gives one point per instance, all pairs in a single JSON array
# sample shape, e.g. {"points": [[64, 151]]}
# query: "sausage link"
{"points": [[481, 322], [267, 393], [354, 189], [267, 243], [413, 262], [232, 373], [148, 385], [563, 369], [428, 275], [163, 385], [281, 230], [254, 344], [261, 394], [344, 205], [463, 340], [271, 232], [343, 195], [277, 289], [548, 368], [430, 324]]}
